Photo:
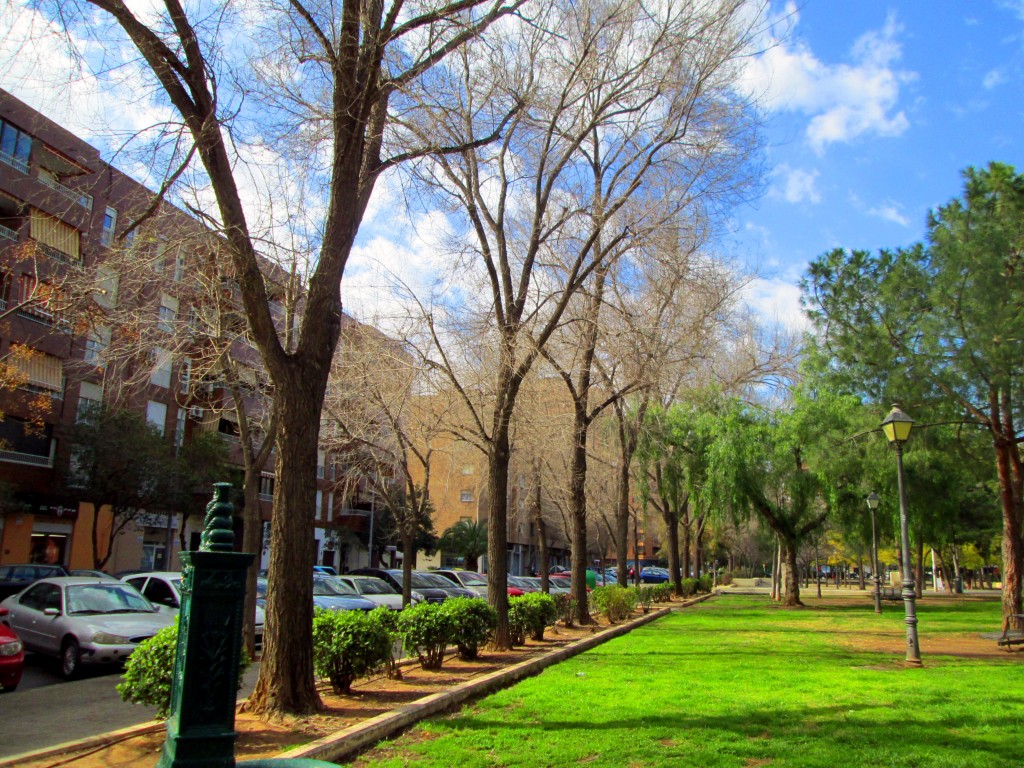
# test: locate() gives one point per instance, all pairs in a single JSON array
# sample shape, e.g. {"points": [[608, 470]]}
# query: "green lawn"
{"points": [[737, 682]]}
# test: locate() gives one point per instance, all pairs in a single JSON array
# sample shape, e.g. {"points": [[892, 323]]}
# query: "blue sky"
{"points": [[874, 109]]}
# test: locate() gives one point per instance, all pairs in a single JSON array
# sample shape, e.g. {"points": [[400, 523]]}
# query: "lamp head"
{"points": [[873, 500], [897, 425]]}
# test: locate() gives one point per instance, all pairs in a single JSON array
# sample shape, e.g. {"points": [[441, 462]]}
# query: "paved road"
{"points": [[35, 718]]}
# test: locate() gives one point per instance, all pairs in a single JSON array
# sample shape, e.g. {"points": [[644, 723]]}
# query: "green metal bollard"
{"points": [[201, 727]]}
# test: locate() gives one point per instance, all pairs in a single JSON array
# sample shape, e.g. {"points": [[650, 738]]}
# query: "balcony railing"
{"points": [[8, 233], [75, 197], [15, 162], [57, 255], [13, 457]]}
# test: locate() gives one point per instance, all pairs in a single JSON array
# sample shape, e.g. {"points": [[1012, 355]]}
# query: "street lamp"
{"points": [[896, 427], [873, 505]]}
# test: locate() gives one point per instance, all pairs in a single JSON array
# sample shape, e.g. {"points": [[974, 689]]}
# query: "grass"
{"points": [[738, 682]]}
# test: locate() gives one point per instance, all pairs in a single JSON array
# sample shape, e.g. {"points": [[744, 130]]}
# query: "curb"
{"points": [[88, 743], [350, 741]]}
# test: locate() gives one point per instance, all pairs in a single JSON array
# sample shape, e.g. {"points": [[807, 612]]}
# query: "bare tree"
{"points": [[544, 208]]}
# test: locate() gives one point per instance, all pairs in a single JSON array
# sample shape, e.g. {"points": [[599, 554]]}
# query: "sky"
{"points": [[871, 111]]}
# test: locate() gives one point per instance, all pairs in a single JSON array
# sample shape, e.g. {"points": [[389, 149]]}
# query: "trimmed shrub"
{"points": [[565, 608], [726, 578], [428, 628], [150, 669], [690, 587], [350, 644], [530, 614], [662, 592], [615, 602], [705, 583], [474, 622]]}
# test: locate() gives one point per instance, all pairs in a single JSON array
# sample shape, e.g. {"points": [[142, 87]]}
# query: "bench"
{"points": [[890, 593], [1011, 637]]}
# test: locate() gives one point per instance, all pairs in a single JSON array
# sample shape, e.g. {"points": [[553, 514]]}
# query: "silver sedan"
{"points": [[82, 620]]}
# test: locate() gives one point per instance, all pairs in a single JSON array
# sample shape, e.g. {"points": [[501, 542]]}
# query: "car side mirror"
{"points": [[171, 602], [51, 612]]}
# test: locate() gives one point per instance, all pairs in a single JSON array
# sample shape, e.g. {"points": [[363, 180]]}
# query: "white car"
{"points": [[83, 620], [164, 588], [376, 590]]}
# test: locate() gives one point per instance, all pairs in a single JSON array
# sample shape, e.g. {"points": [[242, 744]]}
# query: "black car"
{"points": [[14, 578], [426, 586]]}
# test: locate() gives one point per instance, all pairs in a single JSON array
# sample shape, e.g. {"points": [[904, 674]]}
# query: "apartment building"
{"points": [[69, 227]]}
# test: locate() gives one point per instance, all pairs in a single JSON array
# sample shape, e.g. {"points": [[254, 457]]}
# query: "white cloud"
{"points": [[890, 212], [777, 301], [843, 101], [795, 185], [993, 79]]}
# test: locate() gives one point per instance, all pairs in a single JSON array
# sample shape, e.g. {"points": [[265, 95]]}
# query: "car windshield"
{"points": [[470, 579], [176, 583], [343, 587], [106, 598], [375, 587], [326, 586], [428, 580]]}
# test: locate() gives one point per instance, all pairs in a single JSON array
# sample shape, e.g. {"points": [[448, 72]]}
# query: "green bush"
{"points": [[615, 602], [726, 578], [705, 583], [350, 644], [565, 608], [429, 629], [690, 587], [530, 614], [150, 669], [663, 592], [474, 622]]}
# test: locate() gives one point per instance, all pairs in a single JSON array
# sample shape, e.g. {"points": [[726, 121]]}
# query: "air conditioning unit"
{"points": [[196, 412]]}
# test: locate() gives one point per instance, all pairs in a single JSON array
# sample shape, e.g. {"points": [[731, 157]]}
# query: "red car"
{"points": [[12, 659]]}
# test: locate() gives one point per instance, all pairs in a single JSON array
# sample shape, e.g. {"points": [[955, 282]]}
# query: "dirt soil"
{"points": [[370, 697]]}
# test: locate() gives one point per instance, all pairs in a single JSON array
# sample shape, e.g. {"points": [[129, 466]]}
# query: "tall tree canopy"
{"points": [[939, 326]]}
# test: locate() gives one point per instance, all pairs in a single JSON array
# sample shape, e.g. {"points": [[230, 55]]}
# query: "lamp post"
{"points": [[896, 427], [873, 505]]}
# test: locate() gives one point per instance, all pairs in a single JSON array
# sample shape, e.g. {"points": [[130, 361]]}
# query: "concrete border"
{"points": [[363, 735]]}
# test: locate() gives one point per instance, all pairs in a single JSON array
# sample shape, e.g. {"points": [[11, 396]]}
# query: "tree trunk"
{"points": [[409, 558], [578, 499], [672, 531], [252, 541], [1013, 549], [919, 569], [497, 529], [684, 545], [622, 516], [286, 682], [792, 596], [542, 531]]}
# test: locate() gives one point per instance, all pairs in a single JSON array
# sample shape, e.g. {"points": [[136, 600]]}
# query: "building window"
{"points": [[179, 266], [107, 283], [161, 375], [179, 428], [319, 505], [58, 240], [185, 375], [109, 225], [320, 458], [40, 372], [156, 414], [15, 146], [41, 300], [266, 487], [129, 235], [96, 344], [168, 313], [160, 256], [466, 496], [90, 400]]}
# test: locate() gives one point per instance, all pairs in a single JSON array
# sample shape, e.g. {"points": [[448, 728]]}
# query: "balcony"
{"points": [[57, 255], [29, 459], [75, 197], [15, 162], [6, 233]]}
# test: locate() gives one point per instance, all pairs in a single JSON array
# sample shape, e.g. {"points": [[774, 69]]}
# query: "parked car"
{"points": [[87, 572], [475, 582], [164, 588], [14, 578], [555, 586], [654, 575], [426, 586], [525, 583], [376, 590], [12, 659], [326, 570], [328, 594], [83, 620]]}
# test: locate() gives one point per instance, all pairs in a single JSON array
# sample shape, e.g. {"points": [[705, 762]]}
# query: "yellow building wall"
{"points": [[17, 537]]}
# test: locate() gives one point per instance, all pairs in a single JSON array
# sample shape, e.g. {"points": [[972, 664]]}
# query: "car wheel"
{"points": [[70, 659]]}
